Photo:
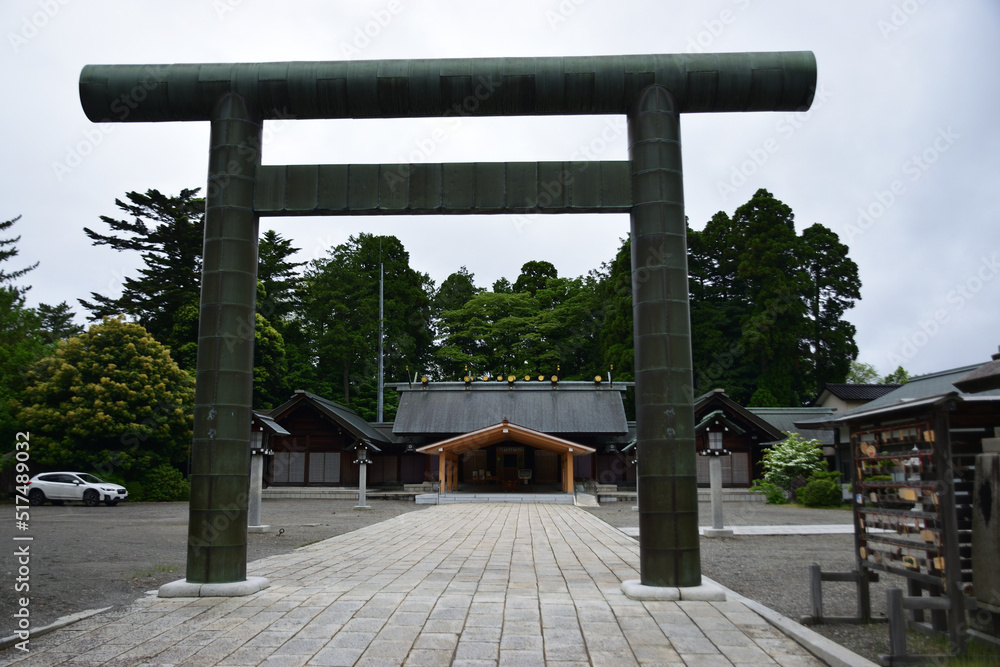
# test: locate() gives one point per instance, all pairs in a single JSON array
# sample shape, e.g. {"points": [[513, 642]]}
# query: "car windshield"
{"points": [[90, 479]]}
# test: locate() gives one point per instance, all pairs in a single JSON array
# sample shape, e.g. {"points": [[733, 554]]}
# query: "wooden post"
{"points": [[945, 464], [442, 469], [897, 622], [816, 592], [568, 473]]}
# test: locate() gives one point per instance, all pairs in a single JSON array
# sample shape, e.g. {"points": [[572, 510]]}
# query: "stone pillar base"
{"points": [[718, 532], [258, 529], [634, 589], [362, 507], [183, 589]]}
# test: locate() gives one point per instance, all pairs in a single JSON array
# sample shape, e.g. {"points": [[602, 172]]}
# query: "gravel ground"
{"points": [[774, 570], [87, 558]]}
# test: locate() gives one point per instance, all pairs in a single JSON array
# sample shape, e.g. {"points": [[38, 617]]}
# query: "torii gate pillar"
{"points": [[668, 484]]}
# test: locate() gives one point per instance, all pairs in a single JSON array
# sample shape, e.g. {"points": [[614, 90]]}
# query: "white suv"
{"points": [[57, 487]]}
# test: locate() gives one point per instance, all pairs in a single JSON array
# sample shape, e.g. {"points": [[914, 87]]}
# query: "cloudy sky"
{"points": [[898, 154]]}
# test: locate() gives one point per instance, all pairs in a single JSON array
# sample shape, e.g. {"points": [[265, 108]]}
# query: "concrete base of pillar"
{"points": [[634, 589], [258, 529], [235, 589], [718, 532], [362, 507]]}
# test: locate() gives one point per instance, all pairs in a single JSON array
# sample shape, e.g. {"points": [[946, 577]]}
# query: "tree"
{"points": [[279, 277], [8, 250], [862, 373], [616, 335], [167, 232], [20, 337], [898, 376], [110, 401], [834, 287], [534, 276], [22, 346], [455, 291], [767, 306], [56, 322], [541, 324], [340, 316], [792, 459]]}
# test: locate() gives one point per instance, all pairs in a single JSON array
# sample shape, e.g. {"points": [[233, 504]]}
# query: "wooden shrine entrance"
{"points": [[509, 472]]}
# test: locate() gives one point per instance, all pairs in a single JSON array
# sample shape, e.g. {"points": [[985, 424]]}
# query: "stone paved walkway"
{"points": [[451, 585]]}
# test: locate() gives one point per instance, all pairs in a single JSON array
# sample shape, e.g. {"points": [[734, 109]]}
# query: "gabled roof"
{"points": [[784, 420], [717, 398], [857, 392], [344, 416], [566, 408], [505, 432], [923, 390], [267, 423], [981, 379]]}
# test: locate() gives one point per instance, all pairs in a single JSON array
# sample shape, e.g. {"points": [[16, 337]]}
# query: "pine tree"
{"points": [[8, 250], [167, 232]]}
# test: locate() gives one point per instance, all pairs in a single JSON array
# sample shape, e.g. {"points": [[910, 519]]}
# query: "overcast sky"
{"points": [[898, 154]]}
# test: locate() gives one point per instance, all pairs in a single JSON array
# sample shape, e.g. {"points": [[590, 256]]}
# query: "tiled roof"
{"points": [[568, 408], [918, 391], [859, 392], [344, 416], [784, 420]]}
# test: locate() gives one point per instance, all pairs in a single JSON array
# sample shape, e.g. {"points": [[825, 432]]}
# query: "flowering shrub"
{"points": [[791, 459]]}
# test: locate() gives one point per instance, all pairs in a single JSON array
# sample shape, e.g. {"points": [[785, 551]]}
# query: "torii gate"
{"points": [[651, 90]]}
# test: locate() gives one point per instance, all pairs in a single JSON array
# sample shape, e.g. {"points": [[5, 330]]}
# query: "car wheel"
{"points": [[110, 503], [91, 498], [36, 497]]}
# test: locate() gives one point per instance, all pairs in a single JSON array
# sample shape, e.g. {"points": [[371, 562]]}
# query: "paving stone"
{"points": [[687, 645], [437, 640], [612, 659], [485, 633], [424, 657], [470, 650], [336, 656], [648, 654], [345, 639], [518, 658], [706, 660], [746, 655]]}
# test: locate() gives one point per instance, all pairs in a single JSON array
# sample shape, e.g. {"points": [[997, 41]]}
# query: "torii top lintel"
{"points": [[711, 82]]}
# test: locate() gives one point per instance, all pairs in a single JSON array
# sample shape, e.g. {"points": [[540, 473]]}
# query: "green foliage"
{"points": [[8, 250], [543, 324], [898, 376], [773, 494], [167, 232], [340, 296], [21, 346], [822, 490], [21, 341], [767, 305], [110, 401], [57, 322], [862, 373], [792, 458], [763, 398], [164, 483]]}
